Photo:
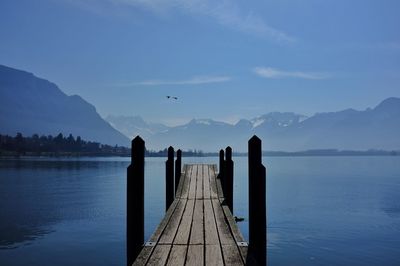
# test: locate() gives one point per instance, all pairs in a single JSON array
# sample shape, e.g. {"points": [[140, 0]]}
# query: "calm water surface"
{"points": [[321, 210]]}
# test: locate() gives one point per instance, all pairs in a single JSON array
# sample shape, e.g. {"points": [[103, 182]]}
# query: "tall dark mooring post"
{"points": [[178, 168], [221, 174], [221, 165], [228, 178], [169, 178], [257, 203], [135, 201]]}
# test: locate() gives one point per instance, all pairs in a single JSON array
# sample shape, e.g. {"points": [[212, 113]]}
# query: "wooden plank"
{"points": [[195, 255], [213, 183], [180, 185], [211, 234], [206, 182], [231, 255], [218, 184], [224, 233], [214, 255], [243, 252], [143, 256], [182, 235], [168, 235], [146, 251], [160, 255], [192, 186], [197, 232], [235, 231], [232, 224], [160, 228], [213, 169], [199, 182], [202, 221], [181, 182], [219, 189], [185, 188], [177, 255]]}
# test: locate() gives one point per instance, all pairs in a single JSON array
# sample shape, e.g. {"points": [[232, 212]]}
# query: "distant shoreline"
{"points": [[63, 146], [311, 153]]}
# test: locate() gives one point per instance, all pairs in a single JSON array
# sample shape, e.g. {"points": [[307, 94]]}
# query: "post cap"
{"points": [[171, 152], [137, 139], [228, 153], [254, 139]]}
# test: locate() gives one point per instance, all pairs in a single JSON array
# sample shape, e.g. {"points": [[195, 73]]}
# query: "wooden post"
{"points": [[257, 203], [178, 168], [221, 163], [228, 178], [135, 201], [221, 167], [169, 178]]}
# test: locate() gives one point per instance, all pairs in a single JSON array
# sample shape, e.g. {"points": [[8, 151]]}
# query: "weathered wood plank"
{"points": [[237, 235], [194, 224], [182, 235], [160, 228], [195, 255], [168, 235], [213, 183], [232, 224], [160, 255], [214, 255], [177, 255], [197, 232], [224, 233], [211, 234], [219, 189], [143, 256], [206, 182], [243, 252], [192, 186], [199, 182], [146, 251], [213, 169], [231, 255], [181, 182], [185, 187]]}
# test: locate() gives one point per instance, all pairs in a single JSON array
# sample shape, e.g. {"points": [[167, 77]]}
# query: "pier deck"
{"points": [[198, 228]]}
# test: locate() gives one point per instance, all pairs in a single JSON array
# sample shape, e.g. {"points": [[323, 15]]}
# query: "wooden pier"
{"points": [[198, 227]]}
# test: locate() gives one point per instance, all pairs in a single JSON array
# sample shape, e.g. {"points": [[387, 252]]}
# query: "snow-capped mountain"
{"points": [[277, 119], [376, 128], [132, 126]]}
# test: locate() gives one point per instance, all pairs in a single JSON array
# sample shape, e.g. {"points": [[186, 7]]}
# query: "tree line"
{"points": [[69, 145], [36, 144]]}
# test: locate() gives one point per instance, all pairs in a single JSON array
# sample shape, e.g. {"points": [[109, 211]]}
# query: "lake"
{"points": [[321, 210]]}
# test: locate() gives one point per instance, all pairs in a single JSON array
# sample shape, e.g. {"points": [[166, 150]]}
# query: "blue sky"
{"points": [[224, 59]]}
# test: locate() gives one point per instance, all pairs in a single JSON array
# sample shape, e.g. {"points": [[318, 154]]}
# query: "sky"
{"points": [[223, 59]]}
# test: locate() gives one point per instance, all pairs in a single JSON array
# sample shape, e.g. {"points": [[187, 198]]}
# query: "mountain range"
{"points": [[32, 105], [374, 128]]}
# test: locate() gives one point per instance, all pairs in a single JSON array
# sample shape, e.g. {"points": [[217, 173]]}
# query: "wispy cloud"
{"points": [[192, 81], [223, 12], [273, 73]]}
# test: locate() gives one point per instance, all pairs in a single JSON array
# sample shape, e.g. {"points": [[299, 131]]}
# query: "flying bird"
{"points": [[239, 219], [172, 97]]}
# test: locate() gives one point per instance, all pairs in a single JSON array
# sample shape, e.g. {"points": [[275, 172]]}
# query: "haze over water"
{"points": [[321, 210]]}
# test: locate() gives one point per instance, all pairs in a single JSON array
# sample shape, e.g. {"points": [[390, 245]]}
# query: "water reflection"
{"points": [[321, 211], [14, 236], [37, 194]]}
